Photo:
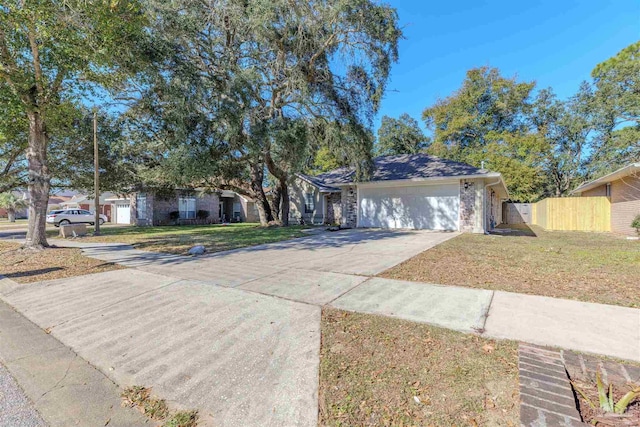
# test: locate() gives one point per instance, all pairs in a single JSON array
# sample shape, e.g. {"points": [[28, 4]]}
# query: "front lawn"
{"points": [[26, 266], [592, 267], [179, 239], [379, 371], [20, 223]]}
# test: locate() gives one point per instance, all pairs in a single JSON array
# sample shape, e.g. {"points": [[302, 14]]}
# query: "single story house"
{"points": [[415, 191], [182, 206], [622, 187], [86, 202]]}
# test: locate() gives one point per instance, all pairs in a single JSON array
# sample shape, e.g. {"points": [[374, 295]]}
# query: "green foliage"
{"points": [[636, 223], [616, 104], [11, 202], [606, 402], [51, 54], [13, 143], [182, 419], [486, 121], [251, 84], [400, 136]]}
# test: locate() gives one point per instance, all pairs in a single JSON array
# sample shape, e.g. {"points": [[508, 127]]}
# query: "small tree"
{"points": [[12, 203], [636, 224]]}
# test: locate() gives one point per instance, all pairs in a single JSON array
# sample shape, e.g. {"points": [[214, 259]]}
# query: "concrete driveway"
{"points": [[235, 335]]}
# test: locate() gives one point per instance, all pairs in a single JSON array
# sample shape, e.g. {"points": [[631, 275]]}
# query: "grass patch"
{"points": [[179, 239], [26, 266], [157, 409], [376, 371], [182, 419], [20, 223], [591, 267]]}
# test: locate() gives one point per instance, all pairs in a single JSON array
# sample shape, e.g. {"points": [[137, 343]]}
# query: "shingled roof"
{"points": [[395, 168]]}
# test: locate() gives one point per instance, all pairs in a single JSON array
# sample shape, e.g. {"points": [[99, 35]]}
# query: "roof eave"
{"points": [[433, 178], [613, 176]]}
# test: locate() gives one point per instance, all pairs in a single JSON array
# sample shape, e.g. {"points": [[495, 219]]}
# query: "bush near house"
{"points": [[636, 224]]}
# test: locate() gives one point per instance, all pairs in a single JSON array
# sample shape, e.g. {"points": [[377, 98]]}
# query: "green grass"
{"points": [[179, 239], [592, 267], [20, 223]]}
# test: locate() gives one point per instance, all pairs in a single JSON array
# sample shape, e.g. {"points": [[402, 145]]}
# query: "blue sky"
{"points": [[556, 43]]}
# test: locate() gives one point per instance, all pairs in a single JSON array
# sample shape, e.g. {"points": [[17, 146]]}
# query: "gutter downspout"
{"points": [[484, 216]]}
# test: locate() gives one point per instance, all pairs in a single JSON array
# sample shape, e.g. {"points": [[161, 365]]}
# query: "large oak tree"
{"points": [[52, 52], [246, 85]]}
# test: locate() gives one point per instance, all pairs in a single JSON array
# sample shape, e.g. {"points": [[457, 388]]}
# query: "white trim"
{"points": [[484, 214], [358, 206], [459, 206]]}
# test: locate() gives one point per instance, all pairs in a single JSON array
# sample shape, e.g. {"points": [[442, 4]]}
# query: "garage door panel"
{"points": [[420, 207], [123, 213]]}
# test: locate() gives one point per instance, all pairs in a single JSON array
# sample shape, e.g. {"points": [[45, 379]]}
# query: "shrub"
{"points": [[202, 214], [636, 224], [174, 215]]}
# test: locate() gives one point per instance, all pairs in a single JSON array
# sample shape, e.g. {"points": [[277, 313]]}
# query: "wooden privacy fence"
{"points": [[573, 214]]}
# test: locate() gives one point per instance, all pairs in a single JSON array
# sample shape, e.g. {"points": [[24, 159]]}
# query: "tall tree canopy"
{"points": [[485, 121], [50, 53], [616, 104], [245, 86], [542, 145], [400, 136]]}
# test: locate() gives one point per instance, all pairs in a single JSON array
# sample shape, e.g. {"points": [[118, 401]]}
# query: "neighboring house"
{"points": [[622, 187], [407, 191], [86, 202], [155, 208], [55, 202]]}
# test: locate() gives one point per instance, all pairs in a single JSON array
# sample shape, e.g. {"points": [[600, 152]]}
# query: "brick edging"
{"points": [[546, 396]]}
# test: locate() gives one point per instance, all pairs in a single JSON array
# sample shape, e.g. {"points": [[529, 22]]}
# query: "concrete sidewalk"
{"points": [[64, 388], [306, 271]]}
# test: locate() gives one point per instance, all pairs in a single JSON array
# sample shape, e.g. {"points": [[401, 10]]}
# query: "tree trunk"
{"points": [[284, 203], [275, 203], [257, 177], [39, 180], [11, 215]]}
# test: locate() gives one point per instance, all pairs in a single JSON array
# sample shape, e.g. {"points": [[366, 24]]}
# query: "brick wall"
{"points": [[163, 205], [625, 204], [159, 207], [211, 203], [334, 208], [134, 210], [349, 207], [467, 206]]}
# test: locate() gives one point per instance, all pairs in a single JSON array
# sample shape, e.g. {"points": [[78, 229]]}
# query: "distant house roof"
{"points": [[628, 170], [58, 200], [83, 198], [415, 167]]}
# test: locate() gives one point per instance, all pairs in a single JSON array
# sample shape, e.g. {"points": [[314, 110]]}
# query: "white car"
{"points": [[73, 216]]}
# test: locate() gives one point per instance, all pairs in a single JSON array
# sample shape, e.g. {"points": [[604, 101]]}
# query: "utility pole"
{"points": [[96, 175]]}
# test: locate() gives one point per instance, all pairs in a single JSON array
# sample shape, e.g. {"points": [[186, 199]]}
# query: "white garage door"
{"points": [[430, 207], [123, 213]]}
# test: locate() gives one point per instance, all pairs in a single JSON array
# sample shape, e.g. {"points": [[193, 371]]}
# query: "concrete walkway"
{"points": [[63, 388], [237, 334]]}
